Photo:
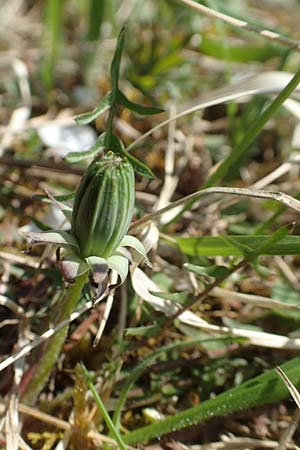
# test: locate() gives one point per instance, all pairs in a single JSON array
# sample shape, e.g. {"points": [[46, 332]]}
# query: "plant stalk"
{"points": [[54, 345]]}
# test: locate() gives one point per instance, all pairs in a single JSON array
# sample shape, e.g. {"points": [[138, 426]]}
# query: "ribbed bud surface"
{"points": [[103, 205]]}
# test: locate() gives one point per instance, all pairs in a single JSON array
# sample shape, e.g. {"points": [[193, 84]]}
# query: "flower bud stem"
{"points": [[54, 345]]}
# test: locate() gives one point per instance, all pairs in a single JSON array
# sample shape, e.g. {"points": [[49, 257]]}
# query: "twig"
{"points": [[293, 391]]}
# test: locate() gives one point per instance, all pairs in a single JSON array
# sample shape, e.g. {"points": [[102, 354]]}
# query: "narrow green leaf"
{"points": [[59, 198], [74, 157], [117, 147], [211, 271], [85, 118], [222, 246], [103, 411], [139, 167], [116, 62], [269, 242], [241, 53], [148, 330], [261, 390], [139, 109]]}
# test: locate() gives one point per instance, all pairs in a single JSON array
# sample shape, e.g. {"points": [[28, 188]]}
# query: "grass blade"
{"points": [[261, 390], [104, 412], [136, 107], [232, 245], [116, 62]]}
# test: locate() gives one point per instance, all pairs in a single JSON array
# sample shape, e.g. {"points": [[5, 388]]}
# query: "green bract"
{"points": [[103, 206]]}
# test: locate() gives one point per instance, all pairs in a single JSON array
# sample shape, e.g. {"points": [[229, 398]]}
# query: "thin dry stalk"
{"points": [[171, 180], [108, 306]]}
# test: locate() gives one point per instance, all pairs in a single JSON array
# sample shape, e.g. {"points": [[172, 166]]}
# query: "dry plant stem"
{"points": [[54, 345]]}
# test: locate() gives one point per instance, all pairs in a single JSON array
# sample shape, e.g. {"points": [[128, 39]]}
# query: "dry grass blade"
{"points": [[277, 173], [268, 34], [255, 300], [171, 180], [281, 197], [293, 391], [108, 306], [12, 422]]}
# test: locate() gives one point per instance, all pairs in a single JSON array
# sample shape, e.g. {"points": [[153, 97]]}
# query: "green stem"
{"points": [[55, 343], [109, 125]]}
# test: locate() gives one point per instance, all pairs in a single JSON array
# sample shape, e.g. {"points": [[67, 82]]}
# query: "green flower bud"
{"points": [[103, 206]]}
